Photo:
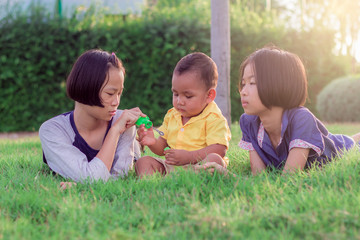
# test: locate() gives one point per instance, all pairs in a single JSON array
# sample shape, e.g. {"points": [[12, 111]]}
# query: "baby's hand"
{"points": [[146, 137], [177, 157]]}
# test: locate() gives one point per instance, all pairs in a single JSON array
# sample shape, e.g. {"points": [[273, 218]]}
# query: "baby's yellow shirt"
{"points": [[209, 127]]}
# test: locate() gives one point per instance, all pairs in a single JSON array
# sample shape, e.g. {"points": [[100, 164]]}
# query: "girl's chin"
{"points": [[108, 117]]}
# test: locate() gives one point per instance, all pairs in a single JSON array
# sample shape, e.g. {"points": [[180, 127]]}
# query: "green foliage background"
{"points": [[37, 51]]}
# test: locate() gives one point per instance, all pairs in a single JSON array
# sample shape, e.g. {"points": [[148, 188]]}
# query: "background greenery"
{"points": [[37, 51], [316, 204]]}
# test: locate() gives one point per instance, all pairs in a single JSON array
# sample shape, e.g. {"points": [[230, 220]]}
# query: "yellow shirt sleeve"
{"points": [[217, 130]]}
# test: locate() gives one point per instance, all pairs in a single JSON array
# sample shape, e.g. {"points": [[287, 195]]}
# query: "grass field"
{"points": [[317, 204]]}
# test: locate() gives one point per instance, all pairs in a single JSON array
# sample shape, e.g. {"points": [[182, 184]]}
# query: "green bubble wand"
{"points": [[148, 124]]}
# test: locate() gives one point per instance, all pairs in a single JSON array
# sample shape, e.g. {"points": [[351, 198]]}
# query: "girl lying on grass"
{"points": [[276, 129], [95, 140]]}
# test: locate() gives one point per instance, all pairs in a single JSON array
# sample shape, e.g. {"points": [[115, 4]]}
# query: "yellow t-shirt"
{"points": [[209, 127]]}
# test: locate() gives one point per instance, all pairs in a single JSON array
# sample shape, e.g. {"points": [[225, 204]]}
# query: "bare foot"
{"points": [[211, 167]]}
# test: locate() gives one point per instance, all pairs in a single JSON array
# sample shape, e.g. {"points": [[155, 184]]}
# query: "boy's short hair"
{"points": [[200, 63], [280, 77], [88, 75]]}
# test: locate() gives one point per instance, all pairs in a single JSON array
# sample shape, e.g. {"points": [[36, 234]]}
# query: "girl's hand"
{"points": [[146, 137], [177, 157], [128, 119], [211, 167]]}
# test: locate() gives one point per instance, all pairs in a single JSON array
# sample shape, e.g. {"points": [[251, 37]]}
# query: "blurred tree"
{"points": [[220, 52], [341, 16]]}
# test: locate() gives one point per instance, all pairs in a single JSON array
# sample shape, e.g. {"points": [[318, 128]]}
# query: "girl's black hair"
{"points": [[280, 77], [89, 74]]}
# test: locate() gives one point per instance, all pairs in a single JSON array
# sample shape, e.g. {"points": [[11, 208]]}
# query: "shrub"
{"points": [[339, 101], [37, 52], [34, 63], [34, 70]]}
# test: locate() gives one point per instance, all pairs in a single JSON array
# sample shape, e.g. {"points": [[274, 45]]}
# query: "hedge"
{"points": [[38, 51]]}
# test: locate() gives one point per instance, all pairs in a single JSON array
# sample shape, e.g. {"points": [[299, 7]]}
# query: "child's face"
{"points": [[110, 94], [250, 99], [190, 95]]}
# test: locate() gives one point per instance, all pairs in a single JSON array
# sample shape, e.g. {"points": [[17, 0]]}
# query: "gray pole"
{"points": [[220, 53]]}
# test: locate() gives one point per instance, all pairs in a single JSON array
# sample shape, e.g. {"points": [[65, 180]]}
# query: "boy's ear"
{"points": [[212, 94]]}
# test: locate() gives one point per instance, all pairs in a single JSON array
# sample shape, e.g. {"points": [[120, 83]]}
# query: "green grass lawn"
{"points": [[317, 204]]}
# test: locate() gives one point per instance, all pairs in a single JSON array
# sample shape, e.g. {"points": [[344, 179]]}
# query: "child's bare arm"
{"points": [[147, 138], [182, 157], [158, 146], [257, 165], [296, 160]]}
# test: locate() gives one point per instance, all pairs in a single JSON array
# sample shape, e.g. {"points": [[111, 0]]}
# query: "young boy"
{"points": [[194, 129]]}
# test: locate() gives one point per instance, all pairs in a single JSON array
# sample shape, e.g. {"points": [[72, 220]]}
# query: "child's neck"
{"points": [[186, 119], [84, 122], [272, 124]]}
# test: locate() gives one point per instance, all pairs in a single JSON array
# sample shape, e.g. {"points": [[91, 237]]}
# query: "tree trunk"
{"points": [[220, 53]]}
